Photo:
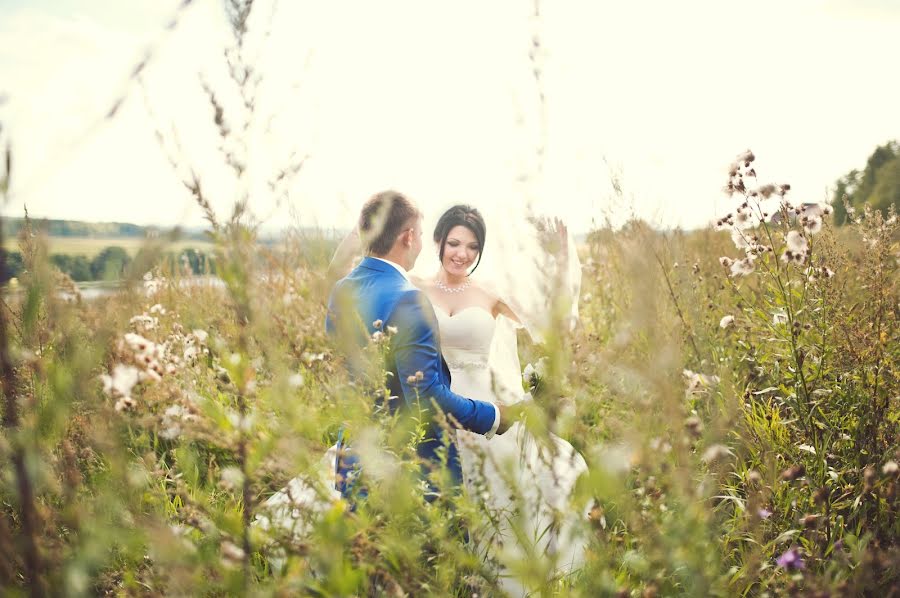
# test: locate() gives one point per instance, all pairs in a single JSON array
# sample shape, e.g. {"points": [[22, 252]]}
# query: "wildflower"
{"points": [[419, 375], [807, 448], [809, 521], [790, 559], [200, 335], [779, 317], [764, 513], [698, 382], [827, 272], [793, 472], [792, 257], [144, 321], [123, 379], [125, 404], [310, 358], [742, 218], [827, 209], [377, 324], [739, 239], [295, 380], [377, 336], [747, 157], [715, 453], [767, 190], [890, 468], [868, 478], [742, 267], [812, 224], [796, 242], [139, 344], [392, 330], [410, 379], [726, 322], [157, 308], [191, 351], [726, 261], [694, 425], [231, 478]]}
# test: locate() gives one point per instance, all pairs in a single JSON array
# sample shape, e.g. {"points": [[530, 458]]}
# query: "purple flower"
{"points": [[790, 560], [764, 513]]}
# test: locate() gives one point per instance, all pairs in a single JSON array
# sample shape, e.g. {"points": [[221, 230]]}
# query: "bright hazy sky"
{"points": [[437, 99]]}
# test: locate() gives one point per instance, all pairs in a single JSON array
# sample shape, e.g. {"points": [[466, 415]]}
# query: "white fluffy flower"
{"points": [[200, 335], [779, 317], [742, 267], [139, 344], [123, 379], [796, 242], [812, 224], [715, 452], [144, 321], [740, 240], [125, 404], [742, 219], [231, 477], [726, 321], [698, 383]]}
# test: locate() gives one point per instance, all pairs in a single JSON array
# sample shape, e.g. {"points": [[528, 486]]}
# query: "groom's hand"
{"points": [[509, 414]]}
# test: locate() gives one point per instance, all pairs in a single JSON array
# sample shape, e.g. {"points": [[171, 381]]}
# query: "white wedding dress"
{"points": [[524, 486]]}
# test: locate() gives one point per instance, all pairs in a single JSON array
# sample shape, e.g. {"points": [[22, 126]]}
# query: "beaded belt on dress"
{"points": [[467, 365]]}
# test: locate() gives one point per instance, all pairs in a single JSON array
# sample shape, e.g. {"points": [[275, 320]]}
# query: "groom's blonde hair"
{"points": [[383, 218]]}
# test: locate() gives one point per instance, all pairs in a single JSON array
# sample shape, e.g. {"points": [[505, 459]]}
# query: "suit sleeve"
{"points": [[415, 349]]}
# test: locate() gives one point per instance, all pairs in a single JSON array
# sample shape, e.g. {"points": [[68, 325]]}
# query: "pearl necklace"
{"points": [[459, 289]]}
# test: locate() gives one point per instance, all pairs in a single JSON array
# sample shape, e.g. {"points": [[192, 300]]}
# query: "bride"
{"points": [[523, 484]]}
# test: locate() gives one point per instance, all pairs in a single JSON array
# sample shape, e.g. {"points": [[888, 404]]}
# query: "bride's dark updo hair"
{"points": [[460, 215]]}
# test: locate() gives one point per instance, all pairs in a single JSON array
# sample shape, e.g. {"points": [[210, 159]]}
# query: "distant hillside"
{"points": [[92, 230]]}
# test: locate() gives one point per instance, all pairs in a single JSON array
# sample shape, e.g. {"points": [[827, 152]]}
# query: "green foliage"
{"points": [[878, 185]]}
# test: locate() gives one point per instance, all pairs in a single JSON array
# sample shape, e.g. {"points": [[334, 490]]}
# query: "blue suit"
{"points": [[375, 290]]}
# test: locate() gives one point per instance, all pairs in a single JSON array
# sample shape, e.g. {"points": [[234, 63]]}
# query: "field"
{"points": [[735, 395]]}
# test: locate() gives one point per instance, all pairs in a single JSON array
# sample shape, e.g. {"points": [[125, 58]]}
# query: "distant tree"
{"points": [[110, 264], [887, 187], [77, 267], [878, 184], [14, 266]]}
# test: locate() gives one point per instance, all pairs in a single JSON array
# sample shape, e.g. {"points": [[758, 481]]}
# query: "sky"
{"points": [[438, 99]]}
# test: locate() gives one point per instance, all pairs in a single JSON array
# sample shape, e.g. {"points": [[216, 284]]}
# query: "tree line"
{"points": [[878, 184], [92, 230], [111, 264]]}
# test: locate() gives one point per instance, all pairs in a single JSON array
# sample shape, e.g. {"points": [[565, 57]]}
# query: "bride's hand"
{"points": [[347, 251], [562, 237], [509, 414]]}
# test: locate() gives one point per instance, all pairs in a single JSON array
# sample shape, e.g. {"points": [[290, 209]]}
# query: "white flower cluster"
{"points": [[752, 212], [148, 361], [698, 383], [153, 283]]}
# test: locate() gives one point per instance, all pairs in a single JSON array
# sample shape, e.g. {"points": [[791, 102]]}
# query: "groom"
{"points": [[377, 297]]}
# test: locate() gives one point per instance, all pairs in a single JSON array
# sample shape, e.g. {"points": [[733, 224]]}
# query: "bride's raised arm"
{"points": [[345, 256]]}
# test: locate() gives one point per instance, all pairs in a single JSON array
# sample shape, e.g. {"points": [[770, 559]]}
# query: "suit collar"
{"points": [[382, 265]]}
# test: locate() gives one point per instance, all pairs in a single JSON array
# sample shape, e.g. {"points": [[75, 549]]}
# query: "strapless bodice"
{"points": [[466, 337]]}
